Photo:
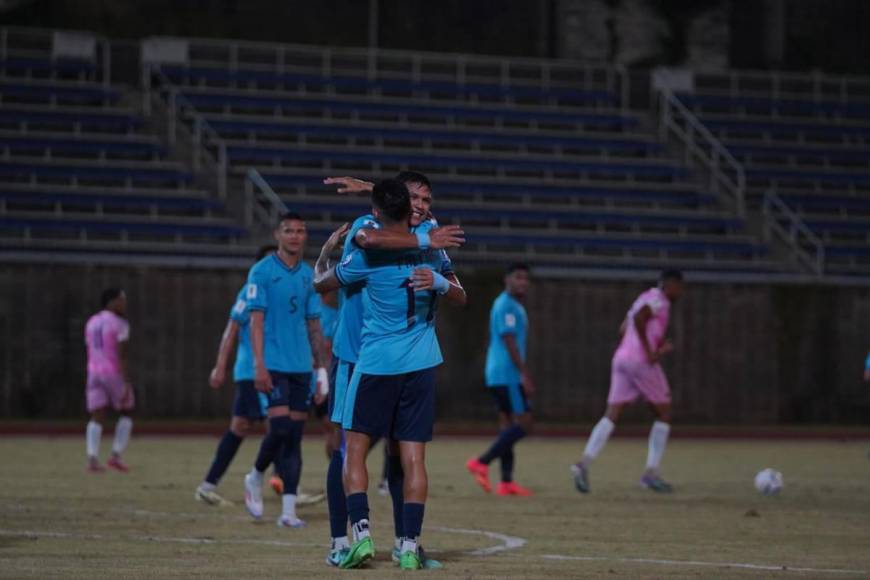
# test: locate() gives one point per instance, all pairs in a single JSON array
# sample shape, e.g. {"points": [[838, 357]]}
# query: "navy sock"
{"points": [[279, 429], [413, 513], [358, 507], [335, 497], [396, 481], [226, 450], [290, 464], [507, 465], [505, 441]]}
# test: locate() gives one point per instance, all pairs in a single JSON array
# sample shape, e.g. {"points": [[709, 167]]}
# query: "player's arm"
{"points": [[262, 379], [641, 319], [315, 338], [123, 359], [436, 239], [228, 342], [322, 265], [448, 286], [528, 383], [350, 184]]}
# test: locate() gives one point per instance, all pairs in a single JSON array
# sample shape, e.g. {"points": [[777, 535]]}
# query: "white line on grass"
{"points": [[764, 567], [161, 539], [507, 542]]}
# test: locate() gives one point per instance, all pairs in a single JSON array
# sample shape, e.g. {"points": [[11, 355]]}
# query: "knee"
{"points": [[240, 427], [527, 422], [613, 413], [280, 427]]}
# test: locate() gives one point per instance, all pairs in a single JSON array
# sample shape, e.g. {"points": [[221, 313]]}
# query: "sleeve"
{"points": [[505, 321], [446, 266], [354, 268], [312, 304], [256, 292], [362, 223], [239, 312], [123, 331]]}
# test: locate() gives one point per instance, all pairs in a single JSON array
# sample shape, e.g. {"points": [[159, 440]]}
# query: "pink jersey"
{"points": [[103, 332], [631, 348]]}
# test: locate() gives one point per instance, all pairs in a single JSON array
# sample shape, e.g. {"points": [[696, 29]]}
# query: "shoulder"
{"points": [[263, 266], [366, 221]]}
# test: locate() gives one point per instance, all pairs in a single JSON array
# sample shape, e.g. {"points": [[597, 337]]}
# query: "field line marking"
{"points": [[507, 542], [161, 539], [764, 567]]}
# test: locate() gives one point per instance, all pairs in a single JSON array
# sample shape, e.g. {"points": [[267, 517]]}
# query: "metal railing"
{"points": [[815, 85], [26, 42], [726, 176], [790, 228], [262, 206]]}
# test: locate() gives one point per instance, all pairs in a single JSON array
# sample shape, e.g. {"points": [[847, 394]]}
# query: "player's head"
{"points": [[420, 191], [517, 279], [114, 299], [671, 283], [266, 250], [391, 202], [291, 234]]}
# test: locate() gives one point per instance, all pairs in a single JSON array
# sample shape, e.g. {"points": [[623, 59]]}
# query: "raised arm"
{"points": [[350, 184], [437, 239], [228, 342]]}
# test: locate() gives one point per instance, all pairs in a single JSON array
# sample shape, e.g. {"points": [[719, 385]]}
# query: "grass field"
{"points": [[57, 521]]}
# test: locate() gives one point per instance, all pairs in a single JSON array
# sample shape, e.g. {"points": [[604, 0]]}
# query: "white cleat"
{"points": [[253, 497], [288, 522], [304, 499], [211, 497]]}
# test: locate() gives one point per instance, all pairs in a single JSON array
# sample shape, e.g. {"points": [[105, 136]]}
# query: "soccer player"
{"points": [[366, 233], [391, 392], [509, 381], [246, 406], [285, 338], [636, 372], [108, 385]]}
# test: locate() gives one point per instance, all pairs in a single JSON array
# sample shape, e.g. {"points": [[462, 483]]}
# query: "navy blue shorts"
{"points": [[510, 399], [290, 390], [401, 407], [339, 379], [246, 403]]}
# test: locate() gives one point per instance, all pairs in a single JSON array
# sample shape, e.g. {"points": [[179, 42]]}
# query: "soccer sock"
{"points": [[396, 481], [290, 466], [279, 429], [226, 451], [413, 513], [598, 438], [506, 440], [358, 510], [335, 498], [658, 441], [507, 466], [93, 434], [288, 505], [123, 428]]}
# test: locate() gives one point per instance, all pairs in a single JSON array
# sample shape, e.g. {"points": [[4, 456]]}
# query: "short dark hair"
{"points": [[108, 295], [288, 216], [671, 275], [265, 251], [408, 177], [517, 266], [391, 197]]}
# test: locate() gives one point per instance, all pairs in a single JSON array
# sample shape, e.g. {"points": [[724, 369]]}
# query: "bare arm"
{"points": [[228, 342], [326, 281], [315, 338], [439, 238], [350, 184], [123, 352], [262, 379], [653, 355], [528, 383]]}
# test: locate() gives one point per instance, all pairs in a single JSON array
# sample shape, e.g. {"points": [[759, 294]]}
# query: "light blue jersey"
{"points": [[288, 300], [243, 370], [398, 330], [867, 363], [328, 320], [507, 316]]}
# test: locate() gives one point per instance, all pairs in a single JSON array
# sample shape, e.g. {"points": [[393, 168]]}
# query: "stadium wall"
{"points": [[747, 354]]}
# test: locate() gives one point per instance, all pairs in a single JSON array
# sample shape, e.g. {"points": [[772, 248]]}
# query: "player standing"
{"points": [[636, 372], [107, 335], [285, 338], [246, 405], [509, 380], [391, 392]]}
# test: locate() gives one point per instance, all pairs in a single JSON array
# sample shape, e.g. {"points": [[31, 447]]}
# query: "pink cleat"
{"points": [[115, 463], [512, 488], [480, 472], [94, 466]]}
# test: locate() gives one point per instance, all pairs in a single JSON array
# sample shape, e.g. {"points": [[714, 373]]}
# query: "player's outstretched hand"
{"points": [[422, 279], [446, 237], [319, 398], [336, 237], [349, 184], [528, 385], [262, 380], [216, 378]]}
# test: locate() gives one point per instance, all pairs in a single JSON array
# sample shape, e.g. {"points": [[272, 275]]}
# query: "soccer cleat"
{"points": [[94, 466], [210, 497], [304, 499], [360, 553], [335, 557], [277, 485], [427, 562], [512, 488], [581, 477], [480, 472], [253, 497], [288, 522], [410, 561], [115, 463], [656, 484]]}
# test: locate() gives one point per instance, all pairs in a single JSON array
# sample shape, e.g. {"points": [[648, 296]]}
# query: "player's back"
{"points": [[103, 331], [630, 347]]}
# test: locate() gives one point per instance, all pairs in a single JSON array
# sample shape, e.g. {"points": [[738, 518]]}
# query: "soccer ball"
{"points": [[768, 481]]}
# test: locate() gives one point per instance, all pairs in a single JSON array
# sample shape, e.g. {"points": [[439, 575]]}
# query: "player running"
{"points": [[509, 380], [636, 372], [107, 335], [285, 337], [246, 405], [391, 392]]}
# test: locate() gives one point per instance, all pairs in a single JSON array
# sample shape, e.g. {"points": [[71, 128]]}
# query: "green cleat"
{"points": [[410, 561], [427, 562], [360, 553]]}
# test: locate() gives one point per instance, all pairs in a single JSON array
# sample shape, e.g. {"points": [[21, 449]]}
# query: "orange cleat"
{"points": [[277, 485], [480, 472], [511, 488]]}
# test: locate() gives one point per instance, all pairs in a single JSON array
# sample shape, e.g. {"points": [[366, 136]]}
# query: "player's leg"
{"points": [[655, 389], [93, 434], [356, 482], [384, 484], [521, 426], [289, 461], [228, 446], [395, 477], [506, 400], [336, 499], [123, 401]]}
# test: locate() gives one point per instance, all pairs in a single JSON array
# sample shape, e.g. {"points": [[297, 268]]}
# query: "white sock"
{"points": [[257, 476], [340, 543], [93, 434], [398, 543], [122, 435], [598, 438], [658, 440], [206, 486], [288, 502], [409, 545], [361, 530]]}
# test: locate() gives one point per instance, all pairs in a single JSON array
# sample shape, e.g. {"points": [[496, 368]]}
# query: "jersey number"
{"points": [[293, 305], [412, 303]]}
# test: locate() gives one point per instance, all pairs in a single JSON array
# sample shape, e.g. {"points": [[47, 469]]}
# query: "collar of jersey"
{"points": [[284, 266]]}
